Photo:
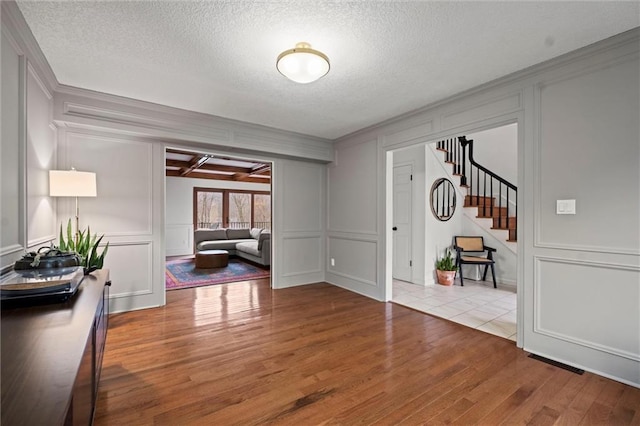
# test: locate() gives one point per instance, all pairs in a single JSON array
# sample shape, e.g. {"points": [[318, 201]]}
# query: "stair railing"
{"points": [[480, 182], [481, 186]]}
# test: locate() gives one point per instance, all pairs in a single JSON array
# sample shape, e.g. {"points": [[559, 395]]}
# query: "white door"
{"points": [[402, 262]]}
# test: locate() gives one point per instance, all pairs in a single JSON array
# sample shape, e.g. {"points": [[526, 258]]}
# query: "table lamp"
{"points": [[72, 183]]}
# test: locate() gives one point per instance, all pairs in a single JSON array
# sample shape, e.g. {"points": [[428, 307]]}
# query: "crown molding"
{"points": [[13, 19]]}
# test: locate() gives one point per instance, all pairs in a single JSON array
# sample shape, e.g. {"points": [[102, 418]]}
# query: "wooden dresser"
{"points": [[52, 356]]}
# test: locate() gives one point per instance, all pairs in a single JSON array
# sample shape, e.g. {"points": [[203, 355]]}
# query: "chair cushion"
{"points": [[217, 245], [238, 234], [250, 247], [475, 259]]}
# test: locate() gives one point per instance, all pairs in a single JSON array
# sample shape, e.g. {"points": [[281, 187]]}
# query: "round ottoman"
{"points": [[212, 259]]}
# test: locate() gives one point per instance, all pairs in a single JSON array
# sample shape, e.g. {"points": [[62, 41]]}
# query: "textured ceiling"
{"points": [[387, 58]]}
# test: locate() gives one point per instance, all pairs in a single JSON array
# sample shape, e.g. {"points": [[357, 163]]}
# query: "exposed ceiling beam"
{"points": [[196, 162], [261, 168], [211, 176], [212, 167]]}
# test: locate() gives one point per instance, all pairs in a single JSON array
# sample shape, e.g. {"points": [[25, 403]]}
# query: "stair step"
{"points": [[513, 235], [489, 212], [441, 149], [507, 223], [478, 200]]}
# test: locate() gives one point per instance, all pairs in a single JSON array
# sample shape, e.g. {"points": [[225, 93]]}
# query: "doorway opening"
{"points": [[476, 304], [215, 202]]}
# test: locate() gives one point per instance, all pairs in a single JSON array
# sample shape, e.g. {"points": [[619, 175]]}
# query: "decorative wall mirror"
{"points": [[443, 199]]}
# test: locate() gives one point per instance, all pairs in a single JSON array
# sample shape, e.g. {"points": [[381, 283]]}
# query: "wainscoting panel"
{"points": [[353, 198], [590, 149], [301, 256], [303, 197], [41, 157], [179, 240], [354, 259], [124, 179], [130, 270], [599, 294], [12, 167]]}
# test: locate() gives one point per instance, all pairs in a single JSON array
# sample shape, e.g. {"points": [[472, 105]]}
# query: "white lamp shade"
{"points": [[303, 64], [71, 183]]}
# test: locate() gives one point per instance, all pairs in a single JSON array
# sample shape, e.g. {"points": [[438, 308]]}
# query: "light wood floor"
{"points": [[244, 354]]}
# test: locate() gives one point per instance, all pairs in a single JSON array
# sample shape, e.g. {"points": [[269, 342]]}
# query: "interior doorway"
{"points": [[477, 304], [206, 190]]}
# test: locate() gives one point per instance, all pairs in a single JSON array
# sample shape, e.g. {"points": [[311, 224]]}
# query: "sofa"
{"points": [[252, 244]]}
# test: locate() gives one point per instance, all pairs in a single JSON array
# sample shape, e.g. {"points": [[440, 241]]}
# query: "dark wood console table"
{"points": [[52, 356]]}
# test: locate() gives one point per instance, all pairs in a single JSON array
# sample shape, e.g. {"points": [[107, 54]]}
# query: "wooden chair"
{"points": [[463, 244]]}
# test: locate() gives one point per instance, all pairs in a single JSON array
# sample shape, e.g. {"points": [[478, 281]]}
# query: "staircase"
{"points": [[494, 197]]}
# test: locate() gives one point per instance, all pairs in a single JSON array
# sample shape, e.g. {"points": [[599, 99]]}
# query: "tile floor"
{"points": [[477, 304]]}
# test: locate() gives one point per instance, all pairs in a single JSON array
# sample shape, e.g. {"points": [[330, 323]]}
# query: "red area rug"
{"points": [[182, 273]]}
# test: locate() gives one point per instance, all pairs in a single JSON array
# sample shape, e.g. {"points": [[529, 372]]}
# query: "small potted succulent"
{"points": [[446, 269]]}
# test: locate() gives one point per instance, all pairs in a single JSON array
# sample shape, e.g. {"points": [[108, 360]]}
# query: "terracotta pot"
{"points": [[445, 277]]}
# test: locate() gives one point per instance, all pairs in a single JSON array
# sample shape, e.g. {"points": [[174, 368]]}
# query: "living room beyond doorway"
{"points": [[208, 195]]}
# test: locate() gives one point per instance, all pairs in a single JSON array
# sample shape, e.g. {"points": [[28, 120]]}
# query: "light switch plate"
{"points": [[565, 206]]}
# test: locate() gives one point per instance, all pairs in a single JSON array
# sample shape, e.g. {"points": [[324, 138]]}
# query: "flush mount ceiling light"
{"points": [[302, 64]]}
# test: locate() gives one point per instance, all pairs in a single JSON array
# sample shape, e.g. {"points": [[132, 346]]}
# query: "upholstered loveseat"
{"points": [[252, 244]]}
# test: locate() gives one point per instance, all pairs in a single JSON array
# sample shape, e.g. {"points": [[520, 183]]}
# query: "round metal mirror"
{"points": [[443, 199]]}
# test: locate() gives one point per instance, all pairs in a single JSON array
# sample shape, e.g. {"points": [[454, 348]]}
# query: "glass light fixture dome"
{"points": [[302, 64]]}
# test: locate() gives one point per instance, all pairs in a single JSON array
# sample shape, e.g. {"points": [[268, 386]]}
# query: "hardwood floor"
{"points": [[244, 354]]}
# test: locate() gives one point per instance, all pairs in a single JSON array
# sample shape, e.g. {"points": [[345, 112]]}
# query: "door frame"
{"points": [[235, 157]]}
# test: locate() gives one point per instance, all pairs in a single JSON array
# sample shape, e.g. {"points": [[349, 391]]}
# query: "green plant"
{"points": [[86, 246], [446, 263]]}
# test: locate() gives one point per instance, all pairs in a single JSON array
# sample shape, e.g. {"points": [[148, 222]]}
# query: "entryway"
{"points": [[477, 304]]}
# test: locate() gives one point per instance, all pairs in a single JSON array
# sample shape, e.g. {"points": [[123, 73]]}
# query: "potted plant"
{"points": [[86, 246], [446, 269]]}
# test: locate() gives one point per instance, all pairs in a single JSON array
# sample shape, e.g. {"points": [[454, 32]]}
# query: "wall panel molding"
{"points": [[547, 84], [139, 154], [410, 134], [114, 115], [81, 108], [15, 248], [290, 245], [483, 110], [541, 303], [121, 270]]}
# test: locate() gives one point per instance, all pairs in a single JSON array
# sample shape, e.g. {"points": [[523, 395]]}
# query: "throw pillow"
{"points": [[255, 233]]}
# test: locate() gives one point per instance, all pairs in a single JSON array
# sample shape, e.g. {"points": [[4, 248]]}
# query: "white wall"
{"points": [[41, 157], [12, 233], [179, 208], [583, 271], [298, 194], [578, 275], [497, 150], [27, 150], [439, 235], [354, 218]]}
